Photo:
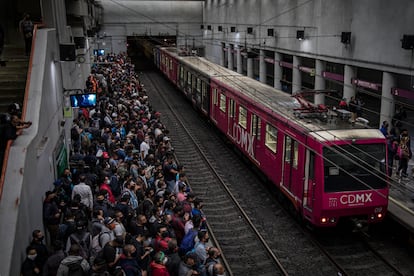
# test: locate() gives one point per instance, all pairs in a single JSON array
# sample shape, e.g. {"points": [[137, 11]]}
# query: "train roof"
{"points": [[202, 65], [282, 105]]}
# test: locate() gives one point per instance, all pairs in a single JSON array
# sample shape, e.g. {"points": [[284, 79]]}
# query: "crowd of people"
{"points": [[399, 147], [124, 207], [399, 143]]}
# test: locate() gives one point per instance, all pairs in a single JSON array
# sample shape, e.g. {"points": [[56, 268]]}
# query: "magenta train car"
{"points": [[328, 169], [168, 64]]}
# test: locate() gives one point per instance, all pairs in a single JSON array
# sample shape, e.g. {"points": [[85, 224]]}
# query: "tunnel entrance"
{"points": [[140, 49]]}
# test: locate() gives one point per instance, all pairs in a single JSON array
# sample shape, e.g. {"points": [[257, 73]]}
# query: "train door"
{"points": [[194, 89], [309, 183], [198, 92], [205, 97], [290, 163], [214, 103], [230, 116], [255, 130], [188, 85], [181, 78]]}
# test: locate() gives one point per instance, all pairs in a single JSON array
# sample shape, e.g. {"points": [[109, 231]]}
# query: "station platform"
{"points": [[401, 201], [401, 198]]}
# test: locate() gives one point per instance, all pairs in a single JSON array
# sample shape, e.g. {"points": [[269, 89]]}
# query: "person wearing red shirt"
{"points": [[105, 186]]}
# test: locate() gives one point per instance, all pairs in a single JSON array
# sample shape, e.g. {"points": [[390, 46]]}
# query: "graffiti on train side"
{"points": [[243, 138]]}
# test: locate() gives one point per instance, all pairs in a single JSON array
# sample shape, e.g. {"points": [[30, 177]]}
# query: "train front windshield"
{"points": [[354, 167]]}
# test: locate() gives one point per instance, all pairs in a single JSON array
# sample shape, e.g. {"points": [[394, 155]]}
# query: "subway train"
{"points": [[328, 168]]}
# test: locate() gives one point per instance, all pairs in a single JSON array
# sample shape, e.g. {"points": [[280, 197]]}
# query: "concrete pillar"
{"points": [[230, 56], [278, 71], [249, 65], [262, 67], [239, 61], [222, 54], [387, 99], [52, 11], [349, 88], [296, 75], [319, 81]]}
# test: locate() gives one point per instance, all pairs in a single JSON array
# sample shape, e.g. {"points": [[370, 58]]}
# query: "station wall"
{"points": [[376, 27], [128, 18], [36, 154]]}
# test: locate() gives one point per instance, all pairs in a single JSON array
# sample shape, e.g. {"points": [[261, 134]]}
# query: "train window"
{"points": [[194, 81], [288, 147], [243, 117], [215, 96], [255, 126], [223, 102], [232, 106], [295, 149], [204, 96], [312, 165], [171, 64], [198, 84], [291, 151], [188, 78], [181, 73], [271, 138], [354, 167]]}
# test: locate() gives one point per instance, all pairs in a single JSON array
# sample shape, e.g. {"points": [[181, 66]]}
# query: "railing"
{"points": [[24, 107]]}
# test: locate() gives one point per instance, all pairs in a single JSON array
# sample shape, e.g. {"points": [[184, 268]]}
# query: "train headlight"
{"points": [[332, 220], [379, 215], [324, 220]]}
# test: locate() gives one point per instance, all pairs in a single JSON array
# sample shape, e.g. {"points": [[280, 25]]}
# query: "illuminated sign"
{"points": [[350, 200], [355, 199]]}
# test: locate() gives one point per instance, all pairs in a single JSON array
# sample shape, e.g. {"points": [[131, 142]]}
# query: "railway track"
{"points": [[255, 234], [353, 254]]}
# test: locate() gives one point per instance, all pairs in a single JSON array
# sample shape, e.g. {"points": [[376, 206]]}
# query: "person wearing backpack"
{"points": [[104, 236], [82, 238], [74, 264]]}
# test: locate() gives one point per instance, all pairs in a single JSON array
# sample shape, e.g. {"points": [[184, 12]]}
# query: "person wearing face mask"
{"points": [[101, 203], [105, 187], [29, 266], [81, 237], [66, 185], [51, 214], [128, 261], [157, 266], [40, 247], [119, 229], [162, 238]]}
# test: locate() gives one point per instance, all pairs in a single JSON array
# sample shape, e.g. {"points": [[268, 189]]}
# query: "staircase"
{"points": [[13, 76]]}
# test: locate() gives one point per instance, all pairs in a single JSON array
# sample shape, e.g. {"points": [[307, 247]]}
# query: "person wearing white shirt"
{"points": [[84, 191]]}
